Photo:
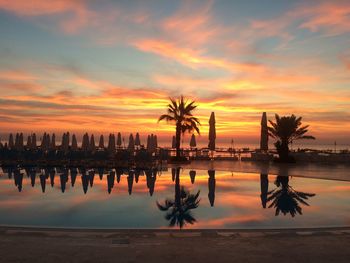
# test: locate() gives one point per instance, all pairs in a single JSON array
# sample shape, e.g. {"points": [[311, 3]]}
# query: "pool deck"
{"points": [[20, 244]]}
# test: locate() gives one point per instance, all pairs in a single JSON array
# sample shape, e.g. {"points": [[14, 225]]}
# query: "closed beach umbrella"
{"points": [[155, 142], [119, 140], [67, 141], [173, 142], [29, 142], [74, 143], [92, 143], [193, 143], [20, 143], [63, 140], [53, 142], [11, 143], [34, 141], [264, 136], [101, 144], [151, 143], [111, 143], [148, 147], [47, 142], [212, 132], [85, 143], [17, 141], [131, 145], [137, 140], [42, 145]]}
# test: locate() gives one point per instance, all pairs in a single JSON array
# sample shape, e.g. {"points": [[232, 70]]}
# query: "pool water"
{"points": [[136, 199]]}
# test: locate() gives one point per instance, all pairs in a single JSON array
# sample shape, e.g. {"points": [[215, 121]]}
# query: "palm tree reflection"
{"points": [[285, 199], [179, 209]]}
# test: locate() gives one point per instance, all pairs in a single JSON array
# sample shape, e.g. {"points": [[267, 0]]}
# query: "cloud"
{"points": [[190, 57], [76, 13], [328, 18], [19, 81], [16, 76], [331, 17]]}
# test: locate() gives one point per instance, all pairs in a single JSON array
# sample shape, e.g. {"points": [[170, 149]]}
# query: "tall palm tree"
{"points": [[285, 199], [180, 112], [179, 209], [285, 130]]}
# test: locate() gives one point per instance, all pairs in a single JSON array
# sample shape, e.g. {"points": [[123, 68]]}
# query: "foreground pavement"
{"points": [[59, 245]]}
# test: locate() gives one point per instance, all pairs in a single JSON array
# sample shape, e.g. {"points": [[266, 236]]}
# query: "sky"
{"points": [[110, 66]]}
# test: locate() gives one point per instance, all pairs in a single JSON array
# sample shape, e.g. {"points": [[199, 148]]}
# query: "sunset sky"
{"points": [[109, 66]]}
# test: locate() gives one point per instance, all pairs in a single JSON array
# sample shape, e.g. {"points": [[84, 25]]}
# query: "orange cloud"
{"points": [[330, 17], [192, 58], [16, 75], [334, 18], [79, 14], [40, 7]]}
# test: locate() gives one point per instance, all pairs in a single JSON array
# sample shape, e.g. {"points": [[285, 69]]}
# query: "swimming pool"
{"points": [[129, 198]]}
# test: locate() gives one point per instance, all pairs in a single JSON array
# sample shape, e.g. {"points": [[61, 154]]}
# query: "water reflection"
{"points": [[225, 192], [179, 209], [211, 186], [285, 199], [264, 188]]}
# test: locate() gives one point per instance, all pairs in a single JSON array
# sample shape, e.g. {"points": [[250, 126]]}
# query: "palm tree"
{"points": [[285, 130], [180, 113], [179, 209], [285, 199]]}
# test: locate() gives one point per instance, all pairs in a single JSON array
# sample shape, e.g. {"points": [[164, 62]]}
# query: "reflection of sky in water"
{"points": [[237, 203]]}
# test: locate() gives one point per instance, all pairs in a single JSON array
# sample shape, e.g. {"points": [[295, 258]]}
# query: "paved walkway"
{"points": [[299, 245]]}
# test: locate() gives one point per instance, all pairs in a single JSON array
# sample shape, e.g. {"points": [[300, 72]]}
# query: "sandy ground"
{"points": [[42, 245]]}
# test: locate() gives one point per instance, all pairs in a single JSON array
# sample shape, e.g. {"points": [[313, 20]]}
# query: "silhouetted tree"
{"points": [[285, 130], [180, 112]]}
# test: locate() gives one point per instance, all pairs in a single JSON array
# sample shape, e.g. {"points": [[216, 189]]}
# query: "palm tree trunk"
{"points": [[177, 188], [284, 151], [178, 140]]}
